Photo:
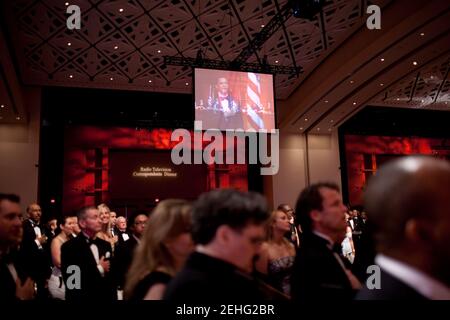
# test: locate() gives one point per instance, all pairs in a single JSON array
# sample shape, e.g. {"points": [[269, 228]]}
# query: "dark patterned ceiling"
{"points": [[121, 43]]}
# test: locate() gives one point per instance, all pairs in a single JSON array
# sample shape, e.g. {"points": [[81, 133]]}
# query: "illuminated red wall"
{"points": [[374, 148], [86, 155]]}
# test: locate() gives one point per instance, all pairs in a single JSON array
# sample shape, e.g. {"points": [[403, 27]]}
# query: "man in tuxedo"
{"points": [[125, 248], [407, 204], [319, 269], [34, 250], [228, 229], [91, 255], [227, 113], [12, 286]]}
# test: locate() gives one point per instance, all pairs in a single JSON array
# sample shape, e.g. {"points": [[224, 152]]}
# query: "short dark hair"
{"points": [[62, 220], [230, 207], [81, 214], [10, 197], [132, 218], [310, 199]]}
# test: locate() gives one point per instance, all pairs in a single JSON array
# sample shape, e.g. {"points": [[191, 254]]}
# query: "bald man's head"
{"points": [[408, 205]]}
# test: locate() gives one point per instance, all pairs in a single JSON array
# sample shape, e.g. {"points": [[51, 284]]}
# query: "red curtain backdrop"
{"points": [[86, 157], [364, 155]]}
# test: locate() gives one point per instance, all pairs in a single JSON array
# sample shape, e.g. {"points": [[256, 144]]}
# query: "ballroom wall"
{"points": [[322, 165], [19, 150]]}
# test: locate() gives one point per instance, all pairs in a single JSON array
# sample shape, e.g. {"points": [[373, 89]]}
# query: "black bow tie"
{"points": [[34, 224], [91, 241]]}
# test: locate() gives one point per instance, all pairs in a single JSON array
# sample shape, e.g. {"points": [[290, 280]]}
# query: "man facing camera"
{"points": [[320, 272], [408, 209], [227, 112], [228, 228], [13, 285], [90, 256]]}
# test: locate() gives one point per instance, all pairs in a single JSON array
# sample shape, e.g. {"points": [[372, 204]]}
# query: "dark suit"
{"points": [[94, 286], [7, 283], [317, 274], [391, 289], [122, 259], [216, 118], [36, 260], [207, 279]]}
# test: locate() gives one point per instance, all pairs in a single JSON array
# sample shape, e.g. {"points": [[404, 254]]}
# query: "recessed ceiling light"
{"points": [[381, 84], [351, 81], [422, 34], [71, 76], [306, 119], [301, 128], [276, 61], [262, 26], [159, 51], [187, 83], [318, 129], [432, 77], [354, 103], [18, 118], [66, 4], [329, 129], [382, 59], [116, 47], [69, 44], [121, 10], [415, 63], [446, 102], [422, 101], [2, 106], [111, 78], [149, 81], [326, 101], [398, 99], [331, 121]]}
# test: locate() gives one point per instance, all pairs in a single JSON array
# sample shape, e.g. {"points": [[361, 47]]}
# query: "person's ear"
{"points": [[418, 231], [223, 234], [315, 215], [82, 223]]}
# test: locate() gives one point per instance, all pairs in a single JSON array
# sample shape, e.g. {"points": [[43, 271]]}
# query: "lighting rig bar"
{"points": [[230, 65]]}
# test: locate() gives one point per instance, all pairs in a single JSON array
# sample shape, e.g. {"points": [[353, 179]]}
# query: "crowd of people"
{"points": [[228, 245]]}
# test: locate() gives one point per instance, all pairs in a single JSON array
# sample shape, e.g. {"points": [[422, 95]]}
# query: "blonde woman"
{"points": [[277, 253], [162, 251], [105, 217]]}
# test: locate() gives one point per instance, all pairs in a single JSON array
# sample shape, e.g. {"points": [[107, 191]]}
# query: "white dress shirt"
{"points": [[416, 279]]}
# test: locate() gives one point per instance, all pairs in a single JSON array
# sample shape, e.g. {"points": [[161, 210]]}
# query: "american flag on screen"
{"points": [[254, 119]]}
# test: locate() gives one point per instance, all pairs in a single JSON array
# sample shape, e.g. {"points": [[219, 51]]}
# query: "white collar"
{"points": [[416, 279]]}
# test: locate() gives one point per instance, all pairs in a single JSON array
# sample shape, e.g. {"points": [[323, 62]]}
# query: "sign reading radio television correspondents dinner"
{"points": [[149, 172], [231, 100]]}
